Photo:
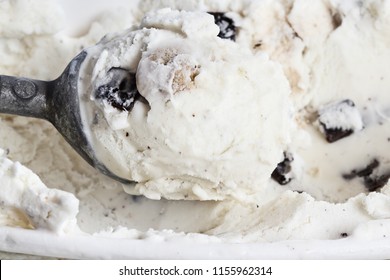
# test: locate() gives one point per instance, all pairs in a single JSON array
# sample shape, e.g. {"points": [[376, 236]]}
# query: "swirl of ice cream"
{"points": [[207, 119]]}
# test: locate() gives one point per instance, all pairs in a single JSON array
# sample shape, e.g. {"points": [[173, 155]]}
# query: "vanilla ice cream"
{"points": [[26, 202], [203, 123], [275, 112]]}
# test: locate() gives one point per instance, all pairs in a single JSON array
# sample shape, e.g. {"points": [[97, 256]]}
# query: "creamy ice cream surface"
{"points": [[252, 128], [26, 202]]}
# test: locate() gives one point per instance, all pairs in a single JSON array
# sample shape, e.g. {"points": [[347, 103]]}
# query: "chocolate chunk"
{"points": [[371, 181], [366, 171], [339, 119], [374, 183], [121, 92], [282, 170], [334, 134], [227, 28]]}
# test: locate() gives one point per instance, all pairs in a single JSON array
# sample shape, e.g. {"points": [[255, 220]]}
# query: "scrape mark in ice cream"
{"points": [[226, 26]]}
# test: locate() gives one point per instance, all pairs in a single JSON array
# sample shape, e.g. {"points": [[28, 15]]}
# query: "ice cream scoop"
{"points": [[171, 105], [201, 123], [56, 101]]}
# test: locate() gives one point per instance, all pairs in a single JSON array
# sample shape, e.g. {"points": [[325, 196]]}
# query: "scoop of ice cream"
{"points": [[193, 116]]}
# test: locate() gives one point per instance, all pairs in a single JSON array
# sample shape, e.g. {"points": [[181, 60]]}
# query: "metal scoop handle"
{"points": [[24, 97], [56, 101]]}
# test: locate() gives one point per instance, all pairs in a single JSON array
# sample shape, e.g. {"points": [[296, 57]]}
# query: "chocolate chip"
{"points": [[257, 45], [227, 28], [121, 92], [282, 170], [344, 234]]}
